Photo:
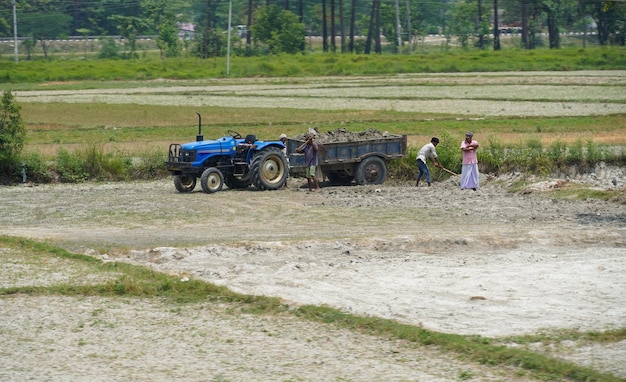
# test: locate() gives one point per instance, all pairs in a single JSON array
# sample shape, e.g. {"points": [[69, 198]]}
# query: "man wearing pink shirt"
{"points": [[469, 172]]}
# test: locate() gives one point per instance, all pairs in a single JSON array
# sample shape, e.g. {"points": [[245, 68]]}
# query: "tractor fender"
{"points": [[263, 145]]}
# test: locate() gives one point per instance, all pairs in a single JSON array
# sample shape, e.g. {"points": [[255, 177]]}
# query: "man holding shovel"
{"points": [[427, 151]]}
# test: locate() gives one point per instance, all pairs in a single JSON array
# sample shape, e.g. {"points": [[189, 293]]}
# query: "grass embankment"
{"points": [[313, 64], [133, 281]]}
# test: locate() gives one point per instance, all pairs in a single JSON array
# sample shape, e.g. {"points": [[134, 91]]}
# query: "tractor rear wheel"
{"points": [[212, 180], [184, 183], [269, 169]]}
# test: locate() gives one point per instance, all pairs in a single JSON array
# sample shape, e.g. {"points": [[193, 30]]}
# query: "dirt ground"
{"points": [[490, 262]]}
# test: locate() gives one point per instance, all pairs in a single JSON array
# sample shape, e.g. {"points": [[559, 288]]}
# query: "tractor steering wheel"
{"points": [[234, 134]]}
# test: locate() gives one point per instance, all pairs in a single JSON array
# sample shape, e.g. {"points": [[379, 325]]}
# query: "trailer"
{"points": [[363, 161]]}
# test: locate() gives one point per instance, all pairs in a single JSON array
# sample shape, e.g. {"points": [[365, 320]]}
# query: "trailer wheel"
{"points": [[371, 170], [184, 183], [211, 180], [269, 169]]}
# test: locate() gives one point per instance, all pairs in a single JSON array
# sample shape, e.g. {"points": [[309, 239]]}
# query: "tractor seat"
{"points": [[250, 138]]}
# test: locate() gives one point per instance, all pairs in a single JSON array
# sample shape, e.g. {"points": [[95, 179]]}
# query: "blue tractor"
{"points": [[232, 159]]}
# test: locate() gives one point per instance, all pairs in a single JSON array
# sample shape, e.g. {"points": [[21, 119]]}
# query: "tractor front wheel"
{"points": [[212, 180], [184, 183]]}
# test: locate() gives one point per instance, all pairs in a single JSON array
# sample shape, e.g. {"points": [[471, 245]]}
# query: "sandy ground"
{"points": [[489, 262]]}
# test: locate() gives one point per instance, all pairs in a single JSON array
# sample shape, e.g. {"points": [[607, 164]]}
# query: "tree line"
{"points": [[271, 26]]}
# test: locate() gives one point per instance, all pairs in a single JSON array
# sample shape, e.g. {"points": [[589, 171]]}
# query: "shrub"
{"points": [[405, 168], [575, 153], [557, 153], [70, 167], [490, 158], [37, 169], [593, 153], [149, 165]]}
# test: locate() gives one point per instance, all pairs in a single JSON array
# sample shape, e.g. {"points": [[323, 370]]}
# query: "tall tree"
{"points": [[324, 28], [163, 16], [249, 22], [279, 29], [481, 35], [496, 26], [333, 33], [352, 26], [464, 22], [530, 23], [552, 9], [373, 32]]}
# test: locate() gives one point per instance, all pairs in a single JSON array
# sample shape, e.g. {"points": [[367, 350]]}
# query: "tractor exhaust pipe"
{"points": [[199, 137]]}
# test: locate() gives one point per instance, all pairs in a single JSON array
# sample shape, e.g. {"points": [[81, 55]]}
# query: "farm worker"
{"points": [[283, 139], [469, 172], [310, 149], [427, 151]]}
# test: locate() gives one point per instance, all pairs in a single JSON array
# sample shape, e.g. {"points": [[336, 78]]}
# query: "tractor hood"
{"points": [[211, 147]]}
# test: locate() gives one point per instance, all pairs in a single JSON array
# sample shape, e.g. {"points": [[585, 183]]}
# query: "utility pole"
{"points": [[496, 27], [15, 32]]}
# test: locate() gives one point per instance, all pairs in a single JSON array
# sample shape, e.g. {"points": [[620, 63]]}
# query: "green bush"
{"points": [[491, 157], [575, 153], [405, 168], [94, 164], [37, 169], [70, 167], [557, 153], [593, 153], [149, 165]]}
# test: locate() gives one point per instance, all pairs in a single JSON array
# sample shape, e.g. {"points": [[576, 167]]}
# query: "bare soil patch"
{"points": [[489, 262]]}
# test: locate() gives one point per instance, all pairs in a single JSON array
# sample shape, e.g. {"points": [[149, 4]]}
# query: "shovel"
{"points": [[448, 171]]}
